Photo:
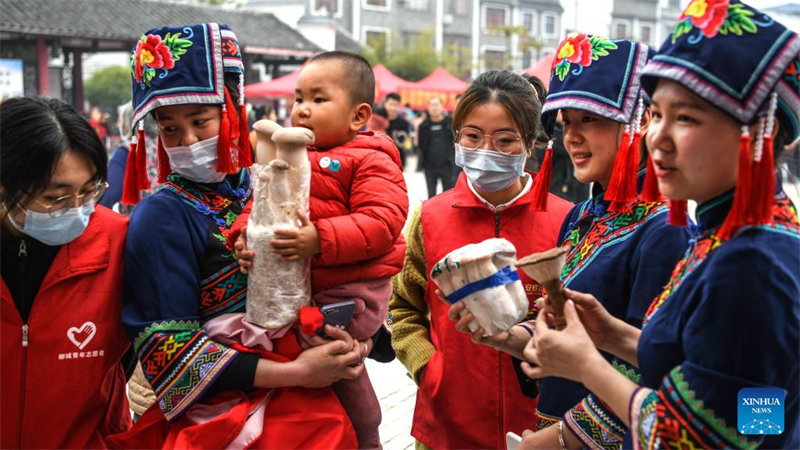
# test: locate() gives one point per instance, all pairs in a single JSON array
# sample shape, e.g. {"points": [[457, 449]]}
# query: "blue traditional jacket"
{"points": [[624, 260], [728, 319], [179, 273]]}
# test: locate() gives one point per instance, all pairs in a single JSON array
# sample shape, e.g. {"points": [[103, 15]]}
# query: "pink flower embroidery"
{"points": [[576, 48], [707, 15], [151, 52]]}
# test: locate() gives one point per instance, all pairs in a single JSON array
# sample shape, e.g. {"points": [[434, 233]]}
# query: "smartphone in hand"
{"points": [[337, 314]]}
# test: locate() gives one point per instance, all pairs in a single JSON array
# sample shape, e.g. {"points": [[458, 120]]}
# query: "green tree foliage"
{"points": [[413, 59], [109, 87]]}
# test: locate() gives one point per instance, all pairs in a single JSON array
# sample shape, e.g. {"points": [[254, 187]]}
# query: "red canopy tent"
{"points": [[275, 88], [438, 84], [386, 81], [542, 69]]}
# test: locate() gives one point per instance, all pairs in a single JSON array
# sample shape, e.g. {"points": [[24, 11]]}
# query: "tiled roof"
{"points": [[345, 43], [126, 20]]}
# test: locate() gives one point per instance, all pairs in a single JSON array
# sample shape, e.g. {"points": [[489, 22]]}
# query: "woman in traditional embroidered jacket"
{"points": [[724, 333], [182, 280], [622, 248]]}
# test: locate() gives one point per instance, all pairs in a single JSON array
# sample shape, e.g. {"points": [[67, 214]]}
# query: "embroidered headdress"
{"points": [[182, 66], [601, 76], [746, 64]]}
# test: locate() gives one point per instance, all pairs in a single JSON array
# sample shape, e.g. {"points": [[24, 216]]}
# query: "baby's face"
{"points": [[323, 105]]}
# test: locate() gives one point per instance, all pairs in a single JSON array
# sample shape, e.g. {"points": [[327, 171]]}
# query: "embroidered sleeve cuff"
{"points": [[593, 423]]}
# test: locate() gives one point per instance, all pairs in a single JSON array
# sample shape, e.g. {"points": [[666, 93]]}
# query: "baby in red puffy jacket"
{"points": [[358, 207]]}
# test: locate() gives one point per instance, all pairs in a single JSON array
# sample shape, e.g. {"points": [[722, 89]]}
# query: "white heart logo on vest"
{"points": [[83, 335]]}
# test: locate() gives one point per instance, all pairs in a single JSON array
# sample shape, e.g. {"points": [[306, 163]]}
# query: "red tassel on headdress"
{"points": [[164, 168], [141, 161], [233, 116], [677, 213], [245, 152], [542, 187], [622, 185], [224, 157], [762, 180], [737, 216], [650, 192], [130, 185]]}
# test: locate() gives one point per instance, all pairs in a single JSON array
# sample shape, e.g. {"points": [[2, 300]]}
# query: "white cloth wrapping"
{"points": [[498, 301], [276, 289]]}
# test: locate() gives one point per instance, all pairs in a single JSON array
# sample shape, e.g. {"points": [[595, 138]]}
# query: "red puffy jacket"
{"points": [[359, 205], [469, 395], [62, 385]]}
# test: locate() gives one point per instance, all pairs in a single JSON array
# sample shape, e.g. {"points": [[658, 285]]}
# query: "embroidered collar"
{"points": [[213, 199]]}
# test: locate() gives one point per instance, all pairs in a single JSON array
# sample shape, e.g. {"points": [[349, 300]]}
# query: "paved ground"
{"points": [[395, 389]]}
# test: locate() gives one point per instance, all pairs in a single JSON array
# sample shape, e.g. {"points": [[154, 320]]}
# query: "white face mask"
{"points": [[196, 162], [488, 170], [55, 230]]}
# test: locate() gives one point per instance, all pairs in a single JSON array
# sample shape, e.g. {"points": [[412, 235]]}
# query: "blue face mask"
{"points": [[488, 170], [55, 230]]}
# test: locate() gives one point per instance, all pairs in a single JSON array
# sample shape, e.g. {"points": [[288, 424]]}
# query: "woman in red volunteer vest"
{"points": [[61, 294], [468, 395]]}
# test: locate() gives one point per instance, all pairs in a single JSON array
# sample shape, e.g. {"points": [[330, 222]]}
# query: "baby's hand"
{"points": [[293, 245], [314, 340], [244, 256]]}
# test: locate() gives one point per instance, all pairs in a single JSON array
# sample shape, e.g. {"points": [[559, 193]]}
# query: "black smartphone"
{"points": [[337, 314]]}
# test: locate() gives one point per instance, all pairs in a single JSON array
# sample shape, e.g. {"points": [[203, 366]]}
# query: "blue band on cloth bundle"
{"points": [[500, 278]]}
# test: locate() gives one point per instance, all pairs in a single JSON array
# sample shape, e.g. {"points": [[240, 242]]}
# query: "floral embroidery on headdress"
{"points": [[154, 53], [792, 74], [714, 17], [580, 49]]}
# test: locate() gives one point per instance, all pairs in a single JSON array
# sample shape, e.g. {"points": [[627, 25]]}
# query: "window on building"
{"points": [[378, 3], [645, 34], [414, 39], [416, 4], [621, 31], [326, 7], [495, 17], [529, 22], [527, 60], [460, 7], [376, 39], [494, 59], [674, 3], [549, 25]]}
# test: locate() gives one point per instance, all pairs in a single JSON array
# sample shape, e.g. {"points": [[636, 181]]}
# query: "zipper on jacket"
{"points": [[497, 224], [22, 378], [23, 255]]}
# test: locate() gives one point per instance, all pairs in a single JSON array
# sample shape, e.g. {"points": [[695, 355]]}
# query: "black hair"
{"points": [[393, 96], [538, 86], [34, 134], [510, 90], [360, 81]]}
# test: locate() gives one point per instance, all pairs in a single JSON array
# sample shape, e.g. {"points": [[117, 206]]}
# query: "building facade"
{"points": [[490, 33]]}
